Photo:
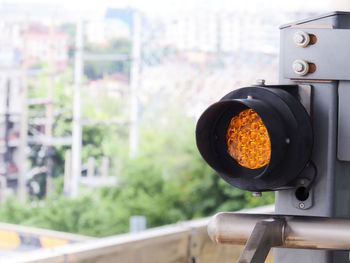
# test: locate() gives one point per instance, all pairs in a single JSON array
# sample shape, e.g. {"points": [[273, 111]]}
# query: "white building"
{"points": [[226, 31], [102, 31], [192, 32]]}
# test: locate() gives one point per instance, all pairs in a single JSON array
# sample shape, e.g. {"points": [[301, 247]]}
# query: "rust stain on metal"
{"points": [[313, 39], [312, 67], [312, 80]]}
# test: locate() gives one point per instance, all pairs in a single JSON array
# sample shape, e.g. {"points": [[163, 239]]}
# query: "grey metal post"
{"points": [[77, 130], [330, 193], [21, 188], [67, 172], [7, 157], [134, 85], [49, 112], [90, 167]]}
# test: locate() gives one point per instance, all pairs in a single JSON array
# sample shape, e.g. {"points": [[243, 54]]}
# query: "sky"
{"points": [[97, 7]]}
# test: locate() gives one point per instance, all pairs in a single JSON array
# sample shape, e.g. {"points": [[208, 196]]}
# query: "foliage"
{"points": [[167, 182]]}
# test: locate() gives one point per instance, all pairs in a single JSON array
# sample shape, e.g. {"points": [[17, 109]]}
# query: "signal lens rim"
{"points": [[293, 120]]}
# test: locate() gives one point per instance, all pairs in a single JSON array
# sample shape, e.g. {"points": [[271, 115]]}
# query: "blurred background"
{"points": [[99, 101]]}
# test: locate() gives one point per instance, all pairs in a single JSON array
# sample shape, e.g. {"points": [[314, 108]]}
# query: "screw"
{"points": [[257, 194], [301, 39], [301, 205], [260, 82], [300, 67]]}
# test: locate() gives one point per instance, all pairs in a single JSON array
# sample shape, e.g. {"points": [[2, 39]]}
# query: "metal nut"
{"points": [[300, 67], [260, 82], [301, 39], [257, 194]]}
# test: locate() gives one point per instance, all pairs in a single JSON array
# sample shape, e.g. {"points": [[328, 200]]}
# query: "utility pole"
{"points": [[49, 113], [77, 130], [7, 130], [134, 85], [67, 173], [21, 188]]}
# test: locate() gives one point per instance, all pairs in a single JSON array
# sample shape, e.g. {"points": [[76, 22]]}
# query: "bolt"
{"points": [[257, 194], [260, 82], [300, 67], [287, 140], [301, 205], [301, 39]]}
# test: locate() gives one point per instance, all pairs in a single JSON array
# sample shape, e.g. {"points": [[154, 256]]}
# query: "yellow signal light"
{"points": [[248, 141]]}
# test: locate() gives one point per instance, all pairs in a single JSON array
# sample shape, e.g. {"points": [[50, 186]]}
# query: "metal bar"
{"points": [[77, 114], [134, 86], [299, 231], [49, 113], [21, 184], [92, 122], [106, 57], [7, 156], [266, 234], [175, 243]]}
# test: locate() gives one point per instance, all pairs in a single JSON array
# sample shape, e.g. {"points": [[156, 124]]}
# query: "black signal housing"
{"points": [[288, 126]]}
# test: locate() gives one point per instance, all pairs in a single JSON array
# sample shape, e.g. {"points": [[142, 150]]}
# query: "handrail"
{"points": [[178, 243], [298, 231]]}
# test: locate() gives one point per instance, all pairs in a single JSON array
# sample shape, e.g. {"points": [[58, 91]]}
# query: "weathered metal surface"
{"points": [[265, 235], [332, 64], [179, 243], [22, 238], [299, 231]]}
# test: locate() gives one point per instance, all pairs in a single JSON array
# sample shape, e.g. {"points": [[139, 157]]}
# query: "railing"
{"points": [[185, 242], [16, 238]]}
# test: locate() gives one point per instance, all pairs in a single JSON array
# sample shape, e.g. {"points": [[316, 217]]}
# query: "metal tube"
{"points": [[299, 231], [77, 113]]}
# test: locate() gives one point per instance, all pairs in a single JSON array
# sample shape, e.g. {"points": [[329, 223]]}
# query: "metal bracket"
{"points": [[303, 196], [266, 234], [305, 97], [332, 63]]}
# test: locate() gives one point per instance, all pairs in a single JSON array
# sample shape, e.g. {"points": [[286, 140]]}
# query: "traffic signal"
{"points": [[257, 138], [293, 138]]}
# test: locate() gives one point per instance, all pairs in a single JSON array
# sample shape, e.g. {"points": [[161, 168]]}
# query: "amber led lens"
{"points": [[248, 141]]}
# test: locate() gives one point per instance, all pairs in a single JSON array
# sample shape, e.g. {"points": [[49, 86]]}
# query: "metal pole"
{"points": [[90, 167], [299, 231], [7, 130], [49, 114], [330, 193], [77, 129], [134, 85], [67, 172], [21, 188]]}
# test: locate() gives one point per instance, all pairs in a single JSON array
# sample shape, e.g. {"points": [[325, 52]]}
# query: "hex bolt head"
{"points": [[301, 39], [300, 67], [257, 194], [301, 205], [260, 82]]}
